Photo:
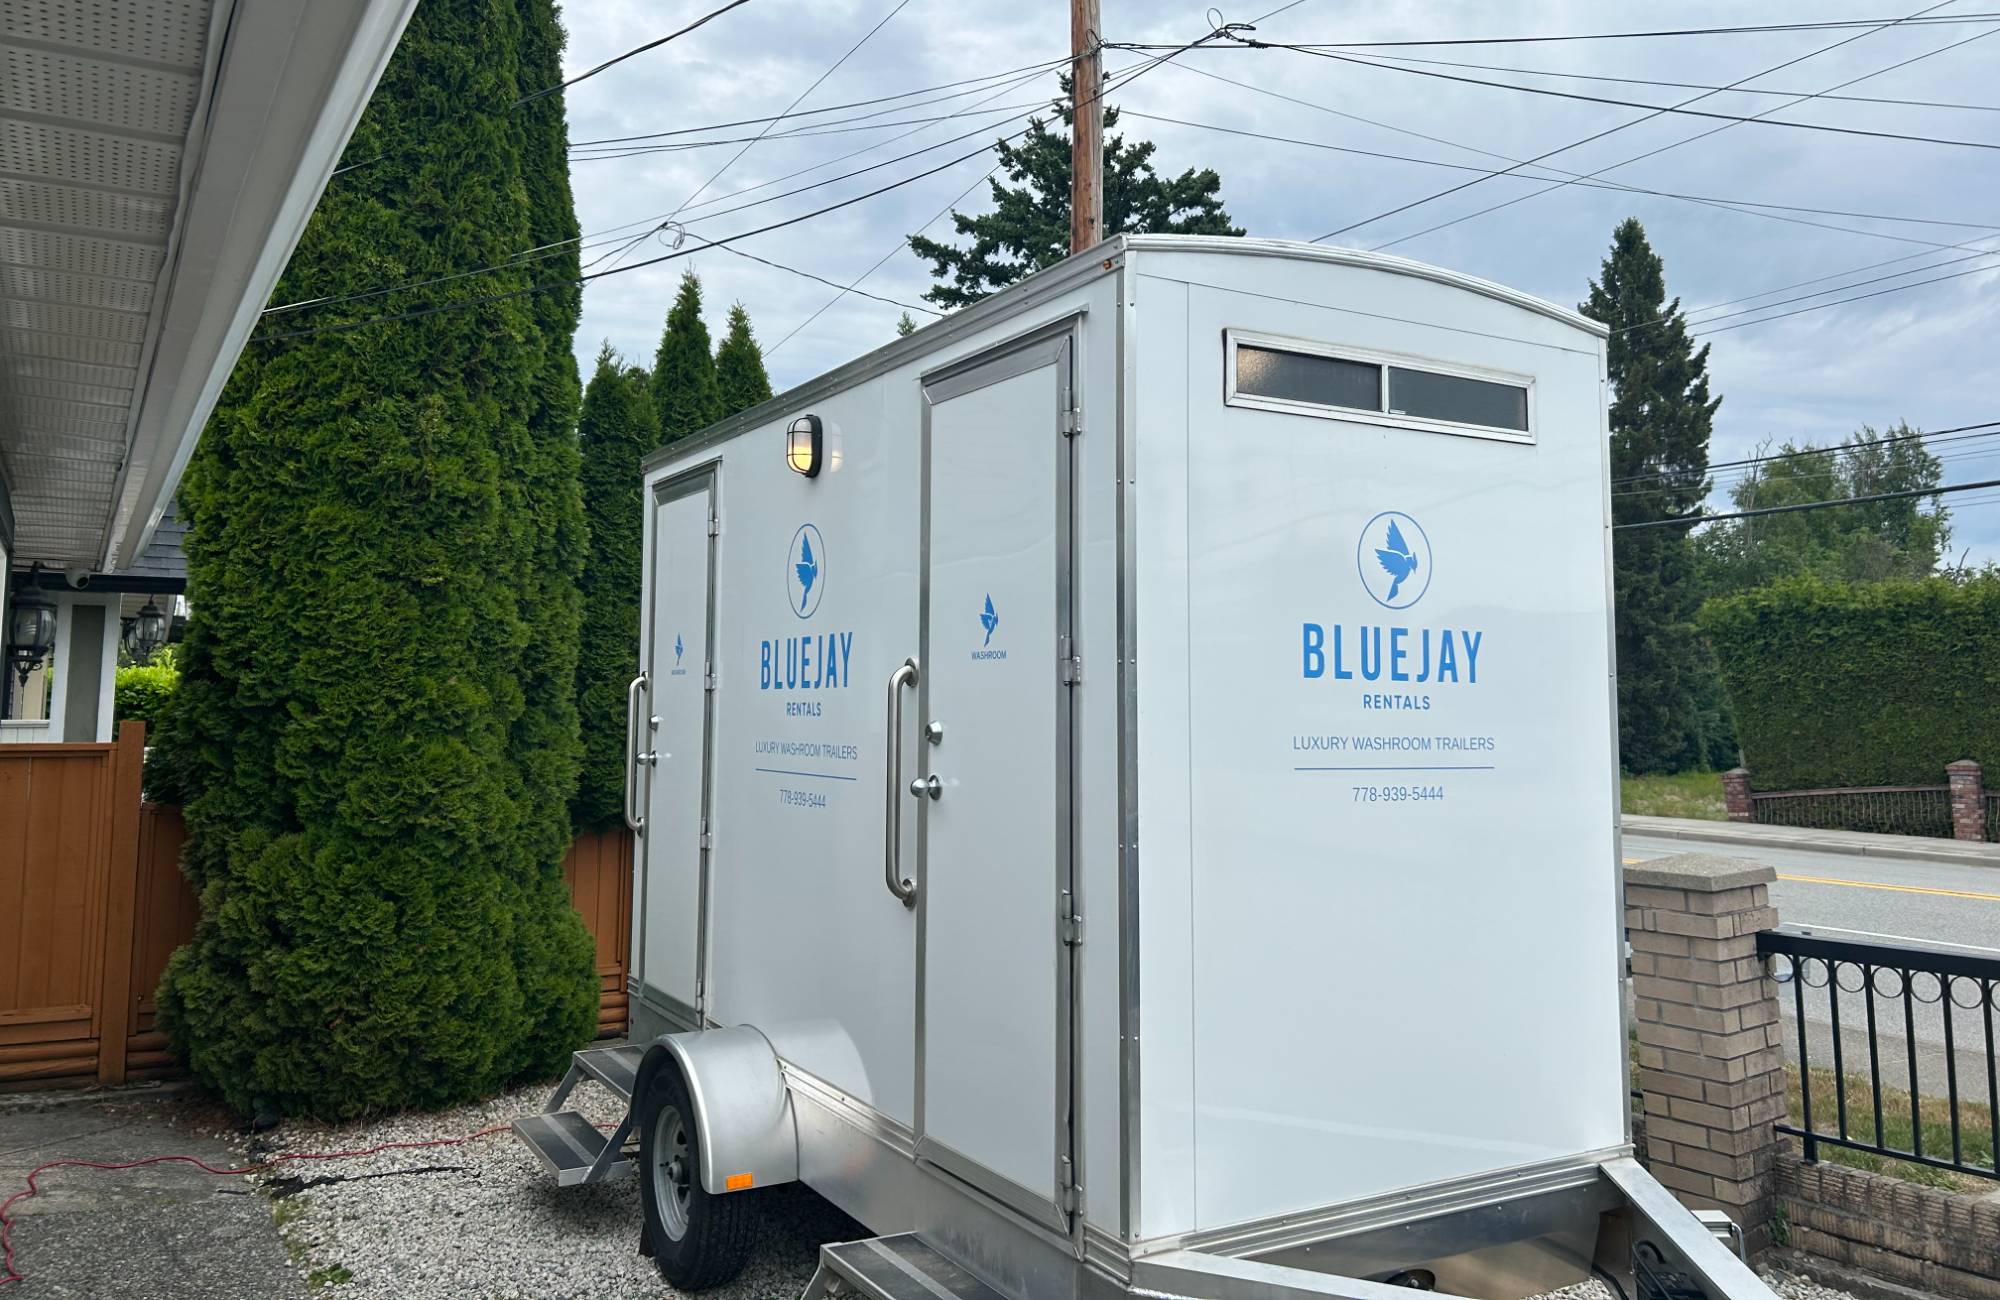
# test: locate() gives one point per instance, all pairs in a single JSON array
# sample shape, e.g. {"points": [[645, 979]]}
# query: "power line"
{"points": [[1870, 499], [831, 284], [1912, 436], [1695, 85], [1594, 136], [1031, 69], [1942, 20], [1654, 108], [1737, 479], [702, 21], [568, 281], [1782, 302], [1839, 302], [803, 133]]}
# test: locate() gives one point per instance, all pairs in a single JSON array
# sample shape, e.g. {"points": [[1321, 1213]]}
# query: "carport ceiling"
{"points": [[97, 98]]}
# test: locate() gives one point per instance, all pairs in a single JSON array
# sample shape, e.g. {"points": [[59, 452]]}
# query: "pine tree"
{"points": [[1661, 416], [615, 432], [906, 325], [381, 520], [686, 395], [1028, 228], [739, 366]]}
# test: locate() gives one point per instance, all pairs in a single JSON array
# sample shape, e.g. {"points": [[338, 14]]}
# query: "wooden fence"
{"points": [[93, 903]]}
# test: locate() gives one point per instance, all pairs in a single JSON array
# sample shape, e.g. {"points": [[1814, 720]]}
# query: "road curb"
{"points": [[1853, 843]]}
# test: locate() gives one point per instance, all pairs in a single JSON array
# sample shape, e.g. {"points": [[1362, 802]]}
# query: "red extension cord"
{"points": [[13, 1275]]}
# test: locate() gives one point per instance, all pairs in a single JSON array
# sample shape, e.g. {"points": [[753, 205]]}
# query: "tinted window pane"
{"points": [[1429, 396], [1298, 377]]}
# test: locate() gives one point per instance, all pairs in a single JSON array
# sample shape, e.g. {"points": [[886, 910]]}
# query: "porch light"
{"points": [[148, 631], [805, 446], [31, 631]]}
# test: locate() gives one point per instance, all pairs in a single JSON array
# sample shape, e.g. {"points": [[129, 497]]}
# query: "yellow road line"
{"points": [[1900, 889], [1873, 884]]}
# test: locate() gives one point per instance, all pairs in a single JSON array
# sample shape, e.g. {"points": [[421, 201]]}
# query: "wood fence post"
{"points": [[128, 757]]}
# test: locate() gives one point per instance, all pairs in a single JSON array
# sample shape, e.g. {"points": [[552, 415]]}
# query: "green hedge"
{"points": [[143, 691], [1879, 684]]}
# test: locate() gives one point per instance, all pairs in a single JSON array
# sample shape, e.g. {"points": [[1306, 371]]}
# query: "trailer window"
{"points": [[1338, 382], [1299, 377], [1432, 396]]}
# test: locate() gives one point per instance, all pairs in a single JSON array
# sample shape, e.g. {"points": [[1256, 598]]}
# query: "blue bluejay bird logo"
{"points": [[805, 570], [1394, 559], [989, 620], [678, 648]]}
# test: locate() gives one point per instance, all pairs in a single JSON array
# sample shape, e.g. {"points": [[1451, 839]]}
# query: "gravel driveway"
{"points": [[485, 1220]]}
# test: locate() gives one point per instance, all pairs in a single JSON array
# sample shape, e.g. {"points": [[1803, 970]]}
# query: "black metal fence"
{"points": [[1885, 809], [1903, 1040]]}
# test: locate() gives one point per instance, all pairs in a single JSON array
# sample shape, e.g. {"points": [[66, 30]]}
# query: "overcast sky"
{"points": [[1924, 354]]}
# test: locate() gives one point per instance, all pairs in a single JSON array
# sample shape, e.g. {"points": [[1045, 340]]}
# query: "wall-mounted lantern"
{"points": [[805, 446], [146, 632], [31, 631]]}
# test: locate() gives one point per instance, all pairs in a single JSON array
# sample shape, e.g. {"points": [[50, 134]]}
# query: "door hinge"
{"points": [[1069, 924], [707, 840], [1069, 664], [1072, 422], [708, 680], [1072, 1191], [715, 525]]}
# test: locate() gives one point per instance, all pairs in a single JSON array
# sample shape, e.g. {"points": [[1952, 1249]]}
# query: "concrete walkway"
{"points": [[162, 1232], [1858, 843]]}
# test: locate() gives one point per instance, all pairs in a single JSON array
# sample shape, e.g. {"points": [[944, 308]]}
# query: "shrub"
{"points": [[142, 692], [375, 730], [1880, 684]]}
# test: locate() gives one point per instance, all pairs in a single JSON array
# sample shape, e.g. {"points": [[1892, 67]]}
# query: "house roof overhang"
{"points": [[159, 160]]}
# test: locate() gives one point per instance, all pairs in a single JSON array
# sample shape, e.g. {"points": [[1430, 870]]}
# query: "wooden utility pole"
{"points": [[1086, 131]]}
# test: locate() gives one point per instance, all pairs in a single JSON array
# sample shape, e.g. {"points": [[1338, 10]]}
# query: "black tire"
{"points": [[696, 1240]]}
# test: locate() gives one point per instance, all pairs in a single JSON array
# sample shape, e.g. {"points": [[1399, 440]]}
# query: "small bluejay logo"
{"points": [[989, 620], [1394, 560], [678, 649], [805, 577]]}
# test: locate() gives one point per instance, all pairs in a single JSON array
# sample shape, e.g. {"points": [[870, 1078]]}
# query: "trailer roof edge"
{"points": [[1298, 251], [1104, 259]]}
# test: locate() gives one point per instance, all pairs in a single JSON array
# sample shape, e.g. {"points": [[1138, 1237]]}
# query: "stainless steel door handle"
{"points": [[892, 846], [633, 758], [931, 785]]}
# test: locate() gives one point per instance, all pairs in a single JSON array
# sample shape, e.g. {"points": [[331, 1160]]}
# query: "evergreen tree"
{"points": [[615, 432], [556, 962], [739, 366], [686, 395], [1028, 228], [906, 325], [382, 528], [1661, 415]]}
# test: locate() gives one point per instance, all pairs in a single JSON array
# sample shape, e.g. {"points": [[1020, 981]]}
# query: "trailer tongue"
{"points": [[1126, 792]]}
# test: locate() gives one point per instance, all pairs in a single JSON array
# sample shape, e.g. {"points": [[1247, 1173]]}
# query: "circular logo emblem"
{"points": [[805, 571], [1394, 559]]}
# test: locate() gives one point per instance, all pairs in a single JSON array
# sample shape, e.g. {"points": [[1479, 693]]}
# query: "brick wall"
{"points": [[1924, 1237]]}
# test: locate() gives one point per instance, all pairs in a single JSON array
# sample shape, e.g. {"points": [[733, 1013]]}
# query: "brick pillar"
{"points": [[1968, 800], [1711, 1050], [1736, 794]]}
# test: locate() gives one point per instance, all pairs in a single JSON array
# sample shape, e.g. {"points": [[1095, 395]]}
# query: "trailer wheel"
{"points": [[697, 1240]]}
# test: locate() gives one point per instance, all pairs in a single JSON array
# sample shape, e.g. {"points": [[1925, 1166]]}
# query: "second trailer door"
{"points": [[993, 773]]}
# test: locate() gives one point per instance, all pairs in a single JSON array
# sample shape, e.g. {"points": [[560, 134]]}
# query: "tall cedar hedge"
{"points": [[739, 365], [375, 730], [616, 431], [1871, 684]]}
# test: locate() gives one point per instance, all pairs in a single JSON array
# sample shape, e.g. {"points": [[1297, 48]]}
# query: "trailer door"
{"points": [[679, 667], [994, 1049]]}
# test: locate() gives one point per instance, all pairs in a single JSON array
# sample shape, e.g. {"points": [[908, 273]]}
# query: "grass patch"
{"points": [[1686, 794], [331, 1275], [1898, 1129]]}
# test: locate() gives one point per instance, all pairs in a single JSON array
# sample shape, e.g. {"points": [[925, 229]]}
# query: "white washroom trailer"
{"points": [[1126, 780]]}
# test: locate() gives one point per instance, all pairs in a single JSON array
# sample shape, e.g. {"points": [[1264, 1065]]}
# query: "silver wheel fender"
{"points": [[743, 1111]]}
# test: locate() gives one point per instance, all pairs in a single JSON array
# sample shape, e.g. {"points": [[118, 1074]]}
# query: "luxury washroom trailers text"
{"points": [[1127, 788]]}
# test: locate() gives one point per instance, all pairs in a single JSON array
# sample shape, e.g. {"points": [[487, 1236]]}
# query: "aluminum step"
{"points": [[617, 1068], [902, 1267], [572, 1147]]}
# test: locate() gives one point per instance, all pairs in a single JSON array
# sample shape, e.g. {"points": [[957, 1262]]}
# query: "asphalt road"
{"points": [[1948, 907]]}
